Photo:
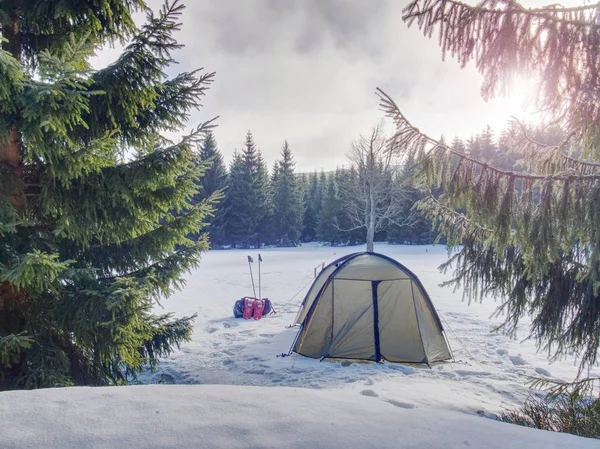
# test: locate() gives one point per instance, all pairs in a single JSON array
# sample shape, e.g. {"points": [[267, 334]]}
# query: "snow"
{"points": [[218, 416], [239, 392], [489, 375]]}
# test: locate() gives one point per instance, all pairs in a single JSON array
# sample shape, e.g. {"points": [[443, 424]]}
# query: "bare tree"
{"points": [[376, 194]]}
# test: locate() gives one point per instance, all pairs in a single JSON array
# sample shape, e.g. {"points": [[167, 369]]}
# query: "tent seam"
{"points": [[412, 292]]}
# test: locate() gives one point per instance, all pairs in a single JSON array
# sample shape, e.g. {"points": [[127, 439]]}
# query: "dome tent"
{"points": [[368, 306]]}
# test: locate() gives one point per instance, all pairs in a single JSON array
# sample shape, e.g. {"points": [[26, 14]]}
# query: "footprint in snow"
{"points": [[517, 360], [212, 330], [229, 325], [266, 335], [400, 404], [501, 352], [369, 393], [255, 371], [543, 372]]}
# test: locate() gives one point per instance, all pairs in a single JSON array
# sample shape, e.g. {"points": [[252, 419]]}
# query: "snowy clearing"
{"points": [[233, 351], [308, 403], [215, 416]]}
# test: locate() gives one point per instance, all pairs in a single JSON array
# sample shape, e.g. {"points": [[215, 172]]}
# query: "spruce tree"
{"points": [[322, 185], [270, 231], [213, 183], [530, 237], [247, 204], [458, 145], [93, 201], [235, 217], [287, 205], [347, 181], [275, 173], [264, 204], [310, 217], [411, 226], [328, 229]]}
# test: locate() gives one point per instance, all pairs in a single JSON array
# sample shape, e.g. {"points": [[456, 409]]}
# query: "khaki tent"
{"points": [[368, 306]]}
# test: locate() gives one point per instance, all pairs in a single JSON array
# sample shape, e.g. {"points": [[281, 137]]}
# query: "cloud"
{"points": [[306, 71]]}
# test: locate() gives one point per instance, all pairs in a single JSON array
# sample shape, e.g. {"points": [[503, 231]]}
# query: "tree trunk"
{"points": [[11, 158], [370, 239], [371, 220]]}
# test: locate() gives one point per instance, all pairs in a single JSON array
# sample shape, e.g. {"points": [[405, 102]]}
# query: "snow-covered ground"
{"points": [[258, 399], [489, 375], [228, 417]]}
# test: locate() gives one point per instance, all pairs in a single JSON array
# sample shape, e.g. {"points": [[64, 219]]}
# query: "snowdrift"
{"points": [[207, 416]]}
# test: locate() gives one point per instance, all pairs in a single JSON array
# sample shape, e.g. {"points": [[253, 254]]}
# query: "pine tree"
{"points": [[264, 203], [236, 225], [87, 240], [531, 237], [270, 230], [328, 230], [311, 213], [247, 204], [411, 226], [348, 183], [458, 145], [275, 173], [321, 191], [287, 205], [214, 181]]}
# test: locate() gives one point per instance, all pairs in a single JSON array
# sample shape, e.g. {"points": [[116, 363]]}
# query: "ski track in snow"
{"points": [[489, 375]]}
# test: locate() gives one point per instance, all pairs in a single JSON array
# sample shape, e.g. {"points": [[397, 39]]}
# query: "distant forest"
{"points": [[280, 207]]}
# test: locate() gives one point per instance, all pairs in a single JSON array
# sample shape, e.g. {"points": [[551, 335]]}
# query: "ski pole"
{"points": [[259, 284], [251, 276]]}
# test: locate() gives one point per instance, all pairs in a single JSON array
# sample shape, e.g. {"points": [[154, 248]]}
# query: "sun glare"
{"points": [[519, 102]]}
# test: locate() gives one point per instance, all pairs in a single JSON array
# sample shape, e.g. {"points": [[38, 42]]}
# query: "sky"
{"points": [[307, 71]]}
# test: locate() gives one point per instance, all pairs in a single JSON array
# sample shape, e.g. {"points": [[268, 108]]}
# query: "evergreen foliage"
{"points": [[411, 227], [567, 413], [214, 182], [87, 239], [248, 204], [235, 222], [348, 183], [312, 208], [328, 227], [287, 205], [528, 235]]}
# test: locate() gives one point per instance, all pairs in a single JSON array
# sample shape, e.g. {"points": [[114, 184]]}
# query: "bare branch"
{"points": [[376, 196]]}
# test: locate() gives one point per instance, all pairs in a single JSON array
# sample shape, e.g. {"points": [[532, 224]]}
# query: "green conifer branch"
{"points": [[99, 240], [503, 38]]}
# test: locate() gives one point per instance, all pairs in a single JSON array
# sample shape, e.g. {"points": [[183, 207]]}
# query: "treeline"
{"points": [[281, 207], [284, 208]]}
